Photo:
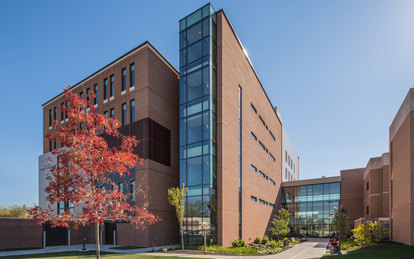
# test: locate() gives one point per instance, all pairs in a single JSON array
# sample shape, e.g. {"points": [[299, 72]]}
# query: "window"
{"points": [[272, 157], [253, 168], [261, 144], [271, 134], [67, 106], [254, 109], [286, 156], [367, 187], [88, 96], [261, 119], [106, 114], [271, 181], [62, 114], [262, 174], [50, 117], [121, 187], [95, 98], [132, 112], [123, 79], [271, 205], [112, 90], [50, 145], [253, 198], [113, 113], [133, 190], [55, 113], [81, 95], [105, 89], [123, 114], [254, 136], [367, 210], [286, 174], [132, 75], [54, 144], [262, 201]]}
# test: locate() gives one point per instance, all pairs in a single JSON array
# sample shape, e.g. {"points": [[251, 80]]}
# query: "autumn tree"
{"points": [[82, 171], [176, 197], [14, 211]]}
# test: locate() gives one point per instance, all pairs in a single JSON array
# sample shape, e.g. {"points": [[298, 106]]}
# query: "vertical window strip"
{"points": [[240, 162]]}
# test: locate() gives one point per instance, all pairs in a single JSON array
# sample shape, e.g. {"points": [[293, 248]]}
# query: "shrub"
{"points": [[368, 235], [238, 243], [172, 249], [265, 239], [274, 244], [257, 240]]}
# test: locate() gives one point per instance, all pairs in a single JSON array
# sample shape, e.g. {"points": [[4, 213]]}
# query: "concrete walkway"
{"points": [[313, 248]]}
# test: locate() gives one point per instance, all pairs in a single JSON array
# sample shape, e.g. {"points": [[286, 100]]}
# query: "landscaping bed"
{"points": [[383, 250]]}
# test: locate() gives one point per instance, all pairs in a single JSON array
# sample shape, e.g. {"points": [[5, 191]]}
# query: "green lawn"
{"points": [[384, 251], [91, 254], [125, 247]]}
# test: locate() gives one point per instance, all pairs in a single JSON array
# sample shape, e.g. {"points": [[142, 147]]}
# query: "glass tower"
{"points": [[198, 122], [312, 208]]}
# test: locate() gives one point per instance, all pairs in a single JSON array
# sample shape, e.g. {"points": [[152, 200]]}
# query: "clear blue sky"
{"points": [[338, 70]]}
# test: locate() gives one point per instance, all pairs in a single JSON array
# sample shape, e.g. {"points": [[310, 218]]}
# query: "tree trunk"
{"points": [[98, 246], [182, 236]]}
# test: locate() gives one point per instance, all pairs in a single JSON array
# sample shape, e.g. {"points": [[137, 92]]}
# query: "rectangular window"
{"points": [[253, 198], [262, 201], [50, 117], [286, 156], [261, 119], [113, 113], [123, 79], [50, 145], [271, 134], [262, 174], [62, 113], [261, 144], [367, 186], [95, 98], [271, 181], [253, 168], [272, 157], [121, 187], [132, 75], [55, 113], [123, 114], [105, 89], [254, 109], [112, 90], [271, 205], [88, 96], [81, 95], [54, 144], [367, 210], [254, 136], [132, 112], [67, 106], [106, 114], [133, 190]]}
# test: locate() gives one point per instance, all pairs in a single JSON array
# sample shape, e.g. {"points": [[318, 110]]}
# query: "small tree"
{"points": [[176, 197], [280, 224], [83, 168], [14, 211], [344, 220]]}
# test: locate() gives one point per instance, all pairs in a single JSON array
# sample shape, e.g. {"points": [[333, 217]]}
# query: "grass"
{"points": [[231, 250], [92, 254], [125, 247], [383, 251]]}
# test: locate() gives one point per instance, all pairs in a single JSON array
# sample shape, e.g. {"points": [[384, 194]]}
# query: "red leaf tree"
{"points": [[83, 167]]}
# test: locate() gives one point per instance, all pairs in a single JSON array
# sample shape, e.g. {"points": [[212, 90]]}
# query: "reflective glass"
{"points": [[183, 39], [194, 107], [206, 81], [194, 150], [206, 169], [183, 129], [194, 170], [194, 33], [183, 57], [194, 52], [183, 87], [194, 190], [206, 125], [194, 132], [195, 17], [194, 85], [183, 168]]}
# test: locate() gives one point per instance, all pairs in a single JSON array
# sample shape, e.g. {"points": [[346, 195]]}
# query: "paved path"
{"points": [[313, 248]]}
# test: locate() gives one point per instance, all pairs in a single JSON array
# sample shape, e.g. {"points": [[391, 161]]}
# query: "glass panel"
{"points": [[183, 152], [183, 110], [206, 125], [194, 190], [194, 33], [206, 46], [182, 24], [206, 206], [206, 169], [183, 57], [206, 189], [194, 85], [194, 129], [194, 169], [183, 39], [205, 103], [183, 87], [194, 52], [194, 107], [183, 168], [206, 23], [194, 150], [195, 17], [206, 147], [183, 131], [194, 66], [206, 10], [206, 81]]}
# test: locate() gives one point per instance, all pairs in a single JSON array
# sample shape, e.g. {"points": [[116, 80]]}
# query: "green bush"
{"points": [[238, 243], [265, 239], [368, 235], [233, 251], [257, 240], [273, 244]]}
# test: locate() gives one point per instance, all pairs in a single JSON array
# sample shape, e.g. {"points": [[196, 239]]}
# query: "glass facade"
{"points": [[198, 162], [311, 208]]}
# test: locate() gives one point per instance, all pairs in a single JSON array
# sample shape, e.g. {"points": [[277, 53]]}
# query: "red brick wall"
{"points": [[19, 233]]}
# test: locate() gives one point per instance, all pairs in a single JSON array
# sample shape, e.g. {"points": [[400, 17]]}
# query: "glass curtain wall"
{"points": [[198, 133], [312, 208]]}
